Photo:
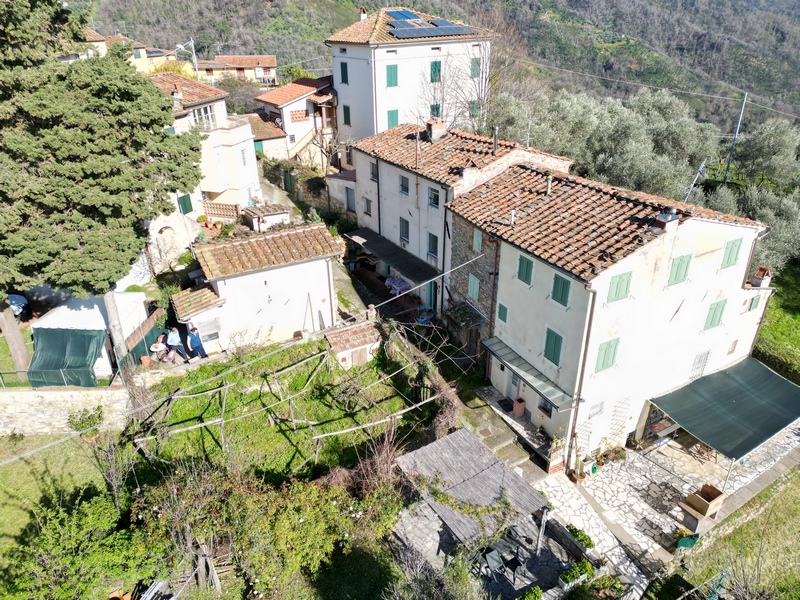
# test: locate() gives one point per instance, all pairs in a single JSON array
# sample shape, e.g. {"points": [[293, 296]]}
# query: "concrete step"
{"points": [[513, 455], [531, 472], [500, 440]]}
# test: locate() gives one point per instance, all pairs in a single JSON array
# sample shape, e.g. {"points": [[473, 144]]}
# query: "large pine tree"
{"points": [[84, 157]]}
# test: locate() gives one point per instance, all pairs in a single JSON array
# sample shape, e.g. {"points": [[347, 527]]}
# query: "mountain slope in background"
{"points": [[719, 47]]}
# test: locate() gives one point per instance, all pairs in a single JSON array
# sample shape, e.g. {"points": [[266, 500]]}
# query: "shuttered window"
{"points": [[346, 116], [392, 118], [606, 355], [436, 71], [680, 269], [754, 303], [731, 256], [474, 287], [714, 317], [477, 240], [552, 347], [391, 75], [620, 287], [560, 289], [185, 204], [502, 312], [475, 68], [525, 269], [345, 78]]}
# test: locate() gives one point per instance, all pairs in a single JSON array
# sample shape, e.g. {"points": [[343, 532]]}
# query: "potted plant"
{"points": [[577, 572], [580, 536]]}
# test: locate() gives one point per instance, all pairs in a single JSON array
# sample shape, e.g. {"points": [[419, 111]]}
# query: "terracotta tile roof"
{"points": [[194, 92], [294, 91], [210, 64], [274, 249], [442, 160], [193, 301], [250, 61], [92, 36], [345, 175], [264, 129], [583, 227], [353, 336], [375, 30], [121, 39], [266, 209]]}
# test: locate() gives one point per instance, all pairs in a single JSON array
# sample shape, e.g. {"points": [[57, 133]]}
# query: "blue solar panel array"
{"points": [[423, 32], [402, 15]]}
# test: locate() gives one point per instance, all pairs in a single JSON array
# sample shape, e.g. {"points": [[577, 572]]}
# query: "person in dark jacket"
{"points": [[195, 343]]}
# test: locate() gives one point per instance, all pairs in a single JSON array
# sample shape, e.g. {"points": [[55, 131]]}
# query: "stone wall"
{"points": [[46, 411]]}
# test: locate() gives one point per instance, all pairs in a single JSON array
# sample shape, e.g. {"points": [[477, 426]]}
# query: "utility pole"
{"points": [[733, 145]]}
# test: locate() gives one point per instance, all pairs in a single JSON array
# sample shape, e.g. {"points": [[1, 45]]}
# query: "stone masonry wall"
{"points": [[484, 269], [46, 411]]}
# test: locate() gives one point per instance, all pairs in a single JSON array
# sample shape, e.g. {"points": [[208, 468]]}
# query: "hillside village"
{"points": [[524, 383]]}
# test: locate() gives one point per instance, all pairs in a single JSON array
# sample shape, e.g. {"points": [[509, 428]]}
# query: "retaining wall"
{"points": [[46, 411]]}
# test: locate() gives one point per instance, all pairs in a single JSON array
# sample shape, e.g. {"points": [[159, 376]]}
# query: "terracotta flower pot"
{"points": [[146, 360]]}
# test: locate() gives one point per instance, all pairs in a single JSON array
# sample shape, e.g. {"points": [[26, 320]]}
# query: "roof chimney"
{"points": [[177, 97], [436, 128], [513, 214], [495, 132], [667, 220], [549, 184], [362, 13]]}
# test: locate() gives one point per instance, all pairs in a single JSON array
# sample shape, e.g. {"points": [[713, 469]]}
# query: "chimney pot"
{"points": [[435, 128], [549, 184], [513, 214], [362, 13], [495, 132]]}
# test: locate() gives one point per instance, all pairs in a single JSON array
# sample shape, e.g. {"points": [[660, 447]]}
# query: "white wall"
{"points": [[370, 99], [272, 305]]}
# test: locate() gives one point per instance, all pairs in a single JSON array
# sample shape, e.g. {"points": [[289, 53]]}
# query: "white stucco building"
{"points": [[403, 179], [263, 287], [598, 299], [397, 66]]}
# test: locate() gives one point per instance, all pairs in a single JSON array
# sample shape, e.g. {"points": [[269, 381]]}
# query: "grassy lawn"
{"points": [[773, 534], [778, 343], [6, 364]]}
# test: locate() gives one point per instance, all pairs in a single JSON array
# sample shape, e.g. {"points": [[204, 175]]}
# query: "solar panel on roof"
{"points": [[410, 33], [443, 23], [401, 24], [410, 15], [399, 15]]}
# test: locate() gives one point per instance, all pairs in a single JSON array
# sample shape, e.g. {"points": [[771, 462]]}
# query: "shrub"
{"points": [[582, 567], [202, 218], [580, 536], [134, 288], [85, 419], [535, 593]]}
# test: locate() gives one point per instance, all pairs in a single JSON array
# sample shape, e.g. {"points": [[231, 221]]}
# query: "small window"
{"points": [[680, 269], [753, 303], [596, 409], [373, 171], [545, 407], [433, 245], [342, 50], [436, 111], [560, 289], [700, 363], [502, 313], [137, 53], [346, 114], [606, 355], [525, 270], [436, 71], [474, 287], [433, 197], [209, 72], [552, 347], [244, 158], [350, 199], [404, 185], [620, 287], [403, 229], [731, 256], [477, 240], [348, 151], [345, 78], [391, 52], [367, 206], [474, 108], [185, 204], [292, 139], [714, 317], [514, 379], [391, 75], [209, 330], [392, 118], [475, 68], [436, 49]]}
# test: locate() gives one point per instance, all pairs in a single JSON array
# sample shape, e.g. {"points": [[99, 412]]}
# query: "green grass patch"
{"points": [[9, 377], [778, 343], [768, 541], [671, 588]]}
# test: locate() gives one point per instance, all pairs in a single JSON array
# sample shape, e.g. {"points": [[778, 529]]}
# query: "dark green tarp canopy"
{"points": [[735, 410], [65, 357]]}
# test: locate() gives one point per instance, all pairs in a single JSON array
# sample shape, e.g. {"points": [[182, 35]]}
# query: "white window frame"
{"points": [[407, 228], [433, 193]]}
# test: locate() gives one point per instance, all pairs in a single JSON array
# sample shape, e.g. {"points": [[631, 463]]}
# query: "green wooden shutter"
{"points": [[345, 78], [524, 269], [714, 317], [607, 355], [552, 347], [474, 287], [477, 240], [436, 71], [731, 255], [391, 75], [754, 303], [259, 146], [680, 269], [560, 289], [473, 108], [476, 68], [436, 111], [620, 287], [392, 118], [185, 204], [346, 114], [502, 312]]}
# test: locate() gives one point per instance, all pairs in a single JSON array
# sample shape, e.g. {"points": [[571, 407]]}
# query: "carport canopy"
{"points": [[735, 410]]}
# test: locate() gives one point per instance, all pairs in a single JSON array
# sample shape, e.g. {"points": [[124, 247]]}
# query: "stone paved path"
{"points": [[570, 506]]}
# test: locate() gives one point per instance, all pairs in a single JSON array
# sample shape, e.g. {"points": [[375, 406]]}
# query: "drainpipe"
{"points": [[494, 296], [577, 400], [331, 295], [378, 185], [444, 250]]}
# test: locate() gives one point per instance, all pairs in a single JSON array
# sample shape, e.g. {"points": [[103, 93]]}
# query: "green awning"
{"points": [[65, 357], [736, 410]]}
